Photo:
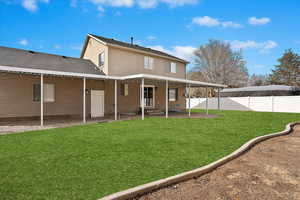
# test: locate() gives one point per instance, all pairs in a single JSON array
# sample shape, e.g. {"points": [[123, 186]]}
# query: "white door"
{"points": [[97, 103]]}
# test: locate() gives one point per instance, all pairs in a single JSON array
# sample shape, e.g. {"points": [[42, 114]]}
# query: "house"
{"points": [[110, 78], [267, 90]]}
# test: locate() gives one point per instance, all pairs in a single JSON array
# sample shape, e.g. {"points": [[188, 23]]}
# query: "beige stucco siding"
{"points": [[93, 49], [126, 62], [16, 96]]}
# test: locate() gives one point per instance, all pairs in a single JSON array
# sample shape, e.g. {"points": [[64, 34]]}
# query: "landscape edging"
{"points": [[149, 187]]}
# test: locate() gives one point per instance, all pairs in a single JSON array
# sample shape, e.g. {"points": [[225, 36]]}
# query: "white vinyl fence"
{"points": [[265, 104]]}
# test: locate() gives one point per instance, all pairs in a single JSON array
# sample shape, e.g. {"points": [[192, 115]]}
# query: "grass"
{"points": [[91, 161]]}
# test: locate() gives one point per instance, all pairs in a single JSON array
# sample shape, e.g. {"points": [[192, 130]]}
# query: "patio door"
{"points": [[97, 103], [149, 96]]}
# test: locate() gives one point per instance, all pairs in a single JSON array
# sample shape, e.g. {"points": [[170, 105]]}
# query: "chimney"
{"points": [[131, 40]]}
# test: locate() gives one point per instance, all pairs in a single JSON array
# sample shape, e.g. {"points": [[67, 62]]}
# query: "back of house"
{"points": [[65, 80]]}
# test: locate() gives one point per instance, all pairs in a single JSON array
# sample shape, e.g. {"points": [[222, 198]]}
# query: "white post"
{"points": [[84, 100], [207, 100], [219, 103], [116, 100], [272, 99], [189, 100], [42, 99], [249, 102], [143, 101], [167, 99]]}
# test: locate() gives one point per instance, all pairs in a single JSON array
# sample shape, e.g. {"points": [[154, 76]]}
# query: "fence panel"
{"points": [[263, 104]]}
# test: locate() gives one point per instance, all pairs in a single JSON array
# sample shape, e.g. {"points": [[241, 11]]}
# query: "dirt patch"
{"points": [[270, 170]]}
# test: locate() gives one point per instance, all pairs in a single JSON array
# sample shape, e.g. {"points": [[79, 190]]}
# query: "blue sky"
{"points": [[263, 29]]}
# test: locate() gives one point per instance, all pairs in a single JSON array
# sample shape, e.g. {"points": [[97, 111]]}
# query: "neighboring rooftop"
{"points": [[137, 47], [263, 88], [35, 60]]}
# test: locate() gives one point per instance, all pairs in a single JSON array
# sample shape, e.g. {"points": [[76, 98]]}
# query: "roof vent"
{"points": [[64, 56], [31, 52]]}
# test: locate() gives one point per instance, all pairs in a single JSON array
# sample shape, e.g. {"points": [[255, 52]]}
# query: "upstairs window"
{"points": [[148, 62], [49, 93], [173, 67], [101, 59]]}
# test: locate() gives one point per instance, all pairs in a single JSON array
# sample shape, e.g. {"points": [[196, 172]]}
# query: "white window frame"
{"points": [[49, 93], [147, 86], [148, 62], [175, 97], [101, 58], [126, 89], [173, 67]]}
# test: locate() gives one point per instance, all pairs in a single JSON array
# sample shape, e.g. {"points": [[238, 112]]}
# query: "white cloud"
{"points": [[147, 3], [151, 37], [184, 52], [114, 3], [231, 24], [258, 21], [144, 4], [24, 42], [32, 5], [206, 21], [263, 47], [212, 22]]}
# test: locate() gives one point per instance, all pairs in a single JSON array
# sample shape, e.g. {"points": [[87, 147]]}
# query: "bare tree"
{"points": [[257, 80], [218, 63]]}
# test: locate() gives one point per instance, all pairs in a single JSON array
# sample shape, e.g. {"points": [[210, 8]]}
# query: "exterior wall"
{"points": [[16, 96], [93, 49], [126, 62], [121, 61]]}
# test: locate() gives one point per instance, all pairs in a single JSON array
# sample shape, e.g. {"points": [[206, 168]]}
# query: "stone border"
{"points": [[149, 187]]}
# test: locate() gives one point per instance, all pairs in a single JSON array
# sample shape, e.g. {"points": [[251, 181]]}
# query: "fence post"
{"points": [[249, 102], [272, 98]]}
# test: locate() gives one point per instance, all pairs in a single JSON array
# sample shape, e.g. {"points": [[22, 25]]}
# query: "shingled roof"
{"points": [[35, 60], [136, 47]]}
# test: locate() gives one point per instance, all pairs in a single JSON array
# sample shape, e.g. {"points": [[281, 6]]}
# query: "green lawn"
{"points": [[89, 162]]}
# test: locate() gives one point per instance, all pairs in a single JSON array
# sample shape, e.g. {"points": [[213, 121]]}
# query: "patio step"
{"points": [[154, 112]]}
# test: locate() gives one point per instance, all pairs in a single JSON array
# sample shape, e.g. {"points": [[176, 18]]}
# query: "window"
{"points": [[125, 89], [101, 59], [173, 94], [173, 67], [49, 93], [148, 62]]}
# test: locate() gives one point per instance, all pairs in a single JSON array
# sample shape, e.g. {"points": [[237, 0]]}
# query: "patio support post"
{"points": [[42, 99], [207, 100], [189, 100], [116, 100], [143, 101], [84, 100], [167, 99], [219, 103]]}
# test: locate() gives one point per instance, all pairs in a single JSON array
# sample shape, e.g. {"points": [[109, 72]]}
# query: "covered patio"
{"points": [[141, 79]]}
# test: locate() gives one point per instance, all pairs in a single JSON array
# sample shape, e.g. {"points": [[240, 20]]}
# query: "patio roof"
{"points": [[171, 79], [105, 77]]}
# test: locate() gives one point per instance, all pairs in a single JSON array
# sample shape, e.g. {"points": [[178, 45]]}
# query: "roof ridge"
{"points": [[136, 46], [43, 53]]}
